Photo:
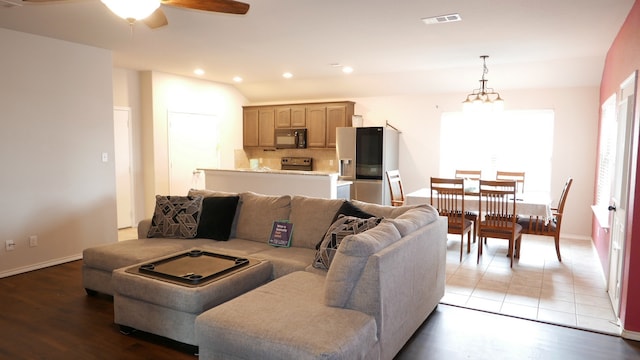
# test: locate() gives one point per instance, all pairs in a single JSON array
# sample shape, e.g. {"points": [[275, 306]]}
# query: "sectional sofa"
{"points": [[356, 282]]}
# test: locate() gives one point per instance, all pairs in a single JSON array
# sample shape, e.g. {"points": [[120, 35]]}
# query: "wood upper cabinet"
{"points": [[258, 124], [298, 116], [338, 115], [250, 127], [266, 121], [320, 120], [291, 117], [316, 126]]}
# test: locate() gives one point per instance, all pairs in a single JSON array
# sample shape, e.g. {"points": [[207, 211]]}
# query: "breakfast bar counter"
{"points": [[274, 182]]}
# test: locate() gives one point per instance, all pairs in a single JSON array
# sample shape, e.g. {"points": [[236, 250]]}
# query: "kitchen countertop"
{"points": [[278, 171]]}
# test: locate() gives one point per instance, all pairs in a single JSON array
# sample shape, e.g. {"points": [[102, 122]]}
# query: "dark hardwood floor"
{"points": [[45, 314]]}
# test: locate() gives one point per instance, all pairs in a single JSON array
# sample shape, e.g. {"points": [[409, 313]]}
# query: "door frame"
{"points": [[621, 219], [132, 212]]}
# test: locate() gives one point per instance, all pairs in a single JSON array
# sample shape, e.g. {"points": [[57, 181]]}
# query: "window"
{"points": [[607, 153], [507, 141]]}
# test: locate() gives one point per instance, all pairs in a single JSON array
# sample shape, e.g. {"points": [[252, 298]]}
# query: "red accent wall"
{"points": [[622, 60]]}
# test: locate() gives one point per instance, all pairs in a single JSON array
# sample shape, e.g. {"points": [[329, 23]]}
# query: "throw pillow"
{"points": [[347, 209], [217, 217], [341, 228], [176, 216]]}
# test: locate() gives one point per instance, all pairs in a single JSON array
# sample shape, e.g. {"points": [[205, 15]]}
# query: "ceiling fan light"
{"points": [[132, 9]]}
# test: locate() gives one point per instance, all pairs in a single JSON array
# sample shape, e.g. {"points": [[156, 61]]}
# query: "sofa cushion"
{"points": [[176, 216], [257, 214], [350, 259], [415, 218], [342, 227], [217, 217], [311, 217]]}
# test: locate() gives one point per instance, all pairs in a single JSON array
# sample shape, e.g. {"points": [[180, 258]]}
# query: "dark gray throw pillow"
{"points": [[217, 217], [341, 228], [175, 216], [347, 209]]}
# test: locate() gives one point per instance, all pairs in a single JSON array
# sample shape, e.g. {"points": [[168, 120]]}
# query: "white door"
{"points": [[193, 144], [620, 189], [122, 159]]}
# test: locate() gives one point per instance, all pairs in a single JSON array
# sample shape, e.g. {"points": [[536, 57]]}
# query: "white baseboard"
{"points": [[630, 335], [41, 265]]}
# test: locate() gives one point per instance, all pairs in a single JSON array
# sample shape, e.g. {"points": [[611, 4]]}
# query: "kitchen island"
{"points": [[277, 182]]}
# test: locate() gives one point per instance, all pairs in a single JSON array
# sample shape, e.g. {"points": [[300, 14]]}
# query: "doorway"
{"points": [[123, 160]]}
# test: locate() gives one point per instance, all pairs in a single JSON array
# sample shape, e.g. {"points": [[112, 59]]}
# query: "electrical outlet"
{"points": [[33, 241], [10, 245]]}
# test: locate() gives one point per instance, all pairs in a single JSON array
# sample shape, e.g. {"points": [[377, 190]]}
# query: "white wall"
{"points": [[164, 93], [56, 121], [576, 120]]}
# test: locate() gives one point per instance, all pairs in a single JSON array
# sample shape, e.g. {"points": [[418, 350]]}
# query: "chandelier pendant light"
{"points": [[132, 10], [484, 97]]}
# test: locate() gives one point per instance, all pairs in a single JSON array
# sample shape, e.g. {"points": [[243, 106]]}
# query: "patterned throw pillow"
{"points": [[176, 217], [341, 228]]}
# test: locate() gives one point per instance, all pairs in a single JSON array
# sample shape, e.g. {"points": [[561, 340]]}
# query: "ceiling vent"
{"points": [[442, 19]]}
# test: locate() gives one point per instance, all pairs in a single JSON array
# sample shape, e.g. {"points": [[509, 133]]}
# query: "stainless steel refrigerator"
{"points": [[364, 155]]}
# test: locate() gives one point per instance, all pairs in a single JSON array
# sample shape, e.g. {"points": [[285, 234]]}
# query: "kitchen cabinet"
{"points": [[316, 126], [258, 124], [291, 117], [320, 120]]}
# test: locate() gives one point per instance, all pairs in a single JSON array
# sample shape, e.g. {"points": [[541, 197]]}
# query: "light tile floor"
{"points": [[538, 287]]}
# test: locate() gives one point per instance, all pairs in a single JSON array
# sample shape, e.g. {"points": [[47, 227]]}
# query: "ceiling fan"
{"points": [[157, 17]]}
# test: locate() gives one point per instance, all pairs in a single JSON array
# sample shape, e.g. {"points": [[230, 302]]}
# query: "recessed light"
{"points": [[237, 79], [347, 69], [198, 72], [287, 75]]}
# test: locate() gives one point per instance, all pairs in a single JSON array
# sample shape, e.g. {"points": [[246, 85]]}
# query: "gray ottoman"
{"points": [[169, 309]]}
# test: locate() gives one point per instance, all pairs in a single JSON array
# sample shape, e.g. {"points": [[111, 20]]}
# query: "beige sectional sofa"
{"points": [[380, 286]]}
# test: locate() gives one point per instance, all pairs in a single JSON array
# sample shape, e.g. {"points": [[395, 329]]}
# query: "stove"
{"points": [[296, 163]]}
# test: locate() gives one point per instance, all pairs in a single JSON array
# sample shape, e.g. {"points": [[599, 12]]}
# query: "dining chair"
{"points": [[518, 176], [475, 176], [395, 187], [447, 196], [468, 174], [548, 227], [498, 215]]}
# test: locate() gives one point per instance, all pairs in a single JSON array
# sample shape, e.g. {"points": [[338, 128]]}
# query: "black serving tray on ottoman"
{"points": [[193, 267]]}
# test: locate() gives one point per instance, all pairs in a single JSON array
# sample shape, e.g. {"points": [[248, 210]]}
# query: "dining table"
{"points": [[529, 204]]}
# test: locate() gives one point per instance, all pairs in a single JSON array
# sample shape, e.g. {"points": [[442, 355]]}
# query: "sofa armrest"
{"points": [[143, 228]]}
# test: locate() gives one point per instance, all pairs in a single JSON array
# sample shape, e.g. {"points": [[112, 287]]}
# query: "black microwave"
{"points": [[291, 138]]}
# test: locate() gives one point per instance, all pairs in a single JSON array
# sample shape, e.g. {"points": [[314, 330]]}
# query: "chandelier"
{"points": [[132, 10], [484, 98]]}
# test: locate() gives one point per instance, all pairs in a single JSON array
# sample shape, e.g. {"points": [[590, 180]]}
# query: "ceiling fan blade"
{"points": [[156, 19], [223, 6]]}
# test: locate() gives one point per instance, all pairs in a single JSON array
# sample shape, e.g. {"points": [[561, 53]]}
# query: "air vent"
{"points": [[442, 19]]}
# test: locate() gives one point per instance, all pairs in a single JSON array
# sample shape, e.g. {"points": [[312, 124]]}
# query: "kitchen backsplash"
{"points": [[323, 159]]}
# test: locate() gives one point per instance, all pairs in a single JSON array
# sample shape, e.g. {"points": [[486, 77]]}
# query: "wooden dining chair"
{"points": [[447, 196], [498, 215], [548, 227], [475, 176], [468, 174], [518, 176], [395, 187]]}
